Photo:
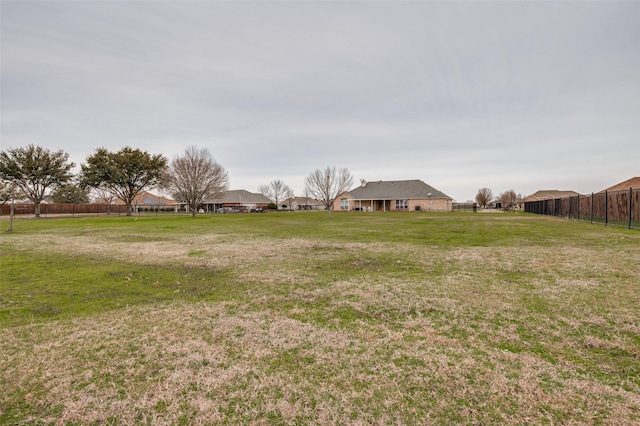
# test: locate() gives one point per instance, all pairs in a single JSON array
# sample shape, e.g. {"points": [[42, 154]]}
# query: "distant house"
{"points": [[549, 194], [235, 201], [147, 201], [303, 203], [633, 183], [401, 195], [147, 198]]}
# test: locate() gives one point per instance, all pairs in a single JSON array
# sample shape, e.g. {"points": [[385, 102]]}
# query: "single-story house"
{"points": [[633, 183], [302, 203], [399, 195], [147, 201], [234, 201], [549, 194]]}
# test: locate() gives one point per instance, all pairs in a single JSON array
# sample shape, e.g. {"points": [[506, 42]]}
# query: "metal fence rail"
{"points": [[464, 207], [620, 208]]}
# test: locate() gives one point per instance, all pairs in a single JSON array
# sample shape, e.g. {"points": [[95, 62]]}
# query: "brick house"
{"points": [[549, 194], [302, 203], [401, 195], [146, 200], [237, 200], [633, 183]]}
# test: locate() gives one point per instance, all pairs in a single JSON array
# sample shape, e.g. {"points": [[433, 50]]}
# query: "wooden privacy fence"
{"points": [[82, 209], [620, 208]]}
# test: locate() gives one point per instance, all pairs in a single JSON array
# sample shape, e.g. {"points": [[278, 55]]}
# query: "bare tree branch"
{"points": [[326, 185], [276, 191], [195, 176], [484, 197]]}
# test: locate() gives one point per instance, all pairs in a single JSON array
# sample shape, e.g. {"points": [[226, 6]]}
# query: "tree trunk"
{"points": [[12, 213], [37, 208], [129, 209]]}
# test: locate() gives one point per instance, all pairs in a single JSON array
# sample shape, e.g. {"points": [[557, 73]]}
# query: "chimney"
{"points": [[363, 183]]}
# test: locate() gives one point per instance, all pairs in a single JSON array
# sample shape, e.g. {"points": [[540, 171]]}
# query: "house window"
{"points": [[402, 205], [344, 204]]}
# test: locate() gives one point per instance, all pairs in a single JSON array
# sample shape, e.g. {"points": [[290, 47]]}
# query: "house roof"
{"points": [[551, 194], [149, 198], [303, 201], [240, 196], [146, 198], [396, 189], [634, 182]]}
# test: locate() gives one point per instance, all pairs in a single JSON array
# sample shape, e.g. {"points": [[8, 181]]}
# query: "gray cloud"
{"points": [[461, 95]]}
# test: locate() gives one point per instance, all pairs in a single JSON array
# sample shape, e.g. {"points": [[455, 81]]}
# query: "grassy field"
{"points": [[295, 318]]}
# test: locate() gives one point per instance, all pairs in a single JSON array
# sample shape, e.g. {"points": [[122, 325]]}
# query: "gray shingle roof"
{"points": [[303, 201], [396, 189], [240, 196]]}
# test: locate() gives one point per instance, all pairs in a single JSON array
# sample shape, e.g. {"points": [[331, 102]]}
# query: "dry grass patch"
{"points": [[313, 330], [199, 364]]}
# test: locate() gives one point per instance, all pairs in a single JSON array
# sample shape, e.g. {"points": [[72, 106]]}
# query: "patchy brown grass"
{"points": [[335, 333], [207, 363]]}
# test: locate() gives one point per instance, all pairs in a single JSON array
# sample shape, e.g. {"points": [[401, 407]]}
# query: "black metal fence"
{"points": [[621, 208], [464, 207]]}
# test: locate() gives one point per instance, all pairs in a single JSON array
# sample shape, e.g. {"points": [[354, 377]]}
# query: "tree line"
{"points": [[35, 172], [508, 199]]}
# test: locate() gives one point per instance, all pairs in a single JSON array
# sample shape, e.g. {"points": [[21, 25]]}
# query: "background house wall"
{"points": [[436, 205]]}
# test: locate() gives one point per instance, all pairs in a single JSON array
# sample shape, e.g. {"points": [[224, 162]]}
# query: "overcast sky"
{"points": [[505, 95]]}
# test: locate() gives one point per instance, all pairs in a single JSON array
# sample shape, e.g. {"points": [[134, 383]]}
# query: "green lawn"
{"points": [[297, 318]]}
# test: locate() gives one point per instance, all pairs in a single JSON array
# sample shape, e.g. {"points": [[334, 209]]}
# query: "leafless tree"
{"points": [[289, 195], [276, 191], [484, 197], [509, 199], [306, 198], [326, 185], [195, 176], [104, 194]]}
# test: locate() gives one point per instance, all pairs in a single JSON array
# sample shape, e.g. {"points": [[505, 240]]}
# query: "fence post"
{"points": [[591, 219], [578, 207], [606, 208], [571, 208], [630, 205], [12, 214]]}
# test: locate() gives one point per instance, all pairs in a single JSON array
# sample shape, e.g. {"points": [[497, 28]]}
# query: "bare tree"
{"points": [[326, 185], [104, 194], [195, 176], [306, 198], [484, 197], [509, 199], [289, 195], [276, 191]]}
